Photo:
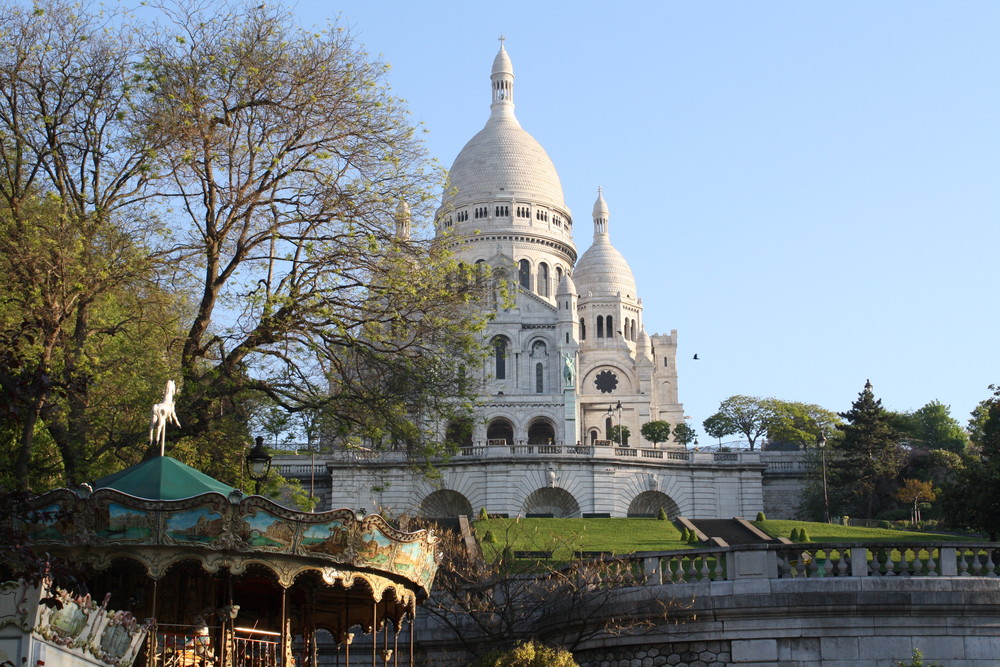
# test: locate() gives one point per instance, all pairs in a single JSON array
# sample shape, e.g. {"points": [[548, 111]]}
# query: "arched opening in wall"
{"points": [[607, 427], [543, 279], [444, 504], [500, 430], [558, 275], [648, 504], [610, 327], [539, 378], [524, 274], [557, 503], [600, 326], [541, 432], [633, 330], [459, 433], [593, 437], [583, 329], [500, 358]]}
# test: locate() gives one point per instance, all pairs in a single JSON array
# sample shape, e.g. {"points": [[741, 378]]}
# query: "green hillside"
{"points": [[565, 537]]}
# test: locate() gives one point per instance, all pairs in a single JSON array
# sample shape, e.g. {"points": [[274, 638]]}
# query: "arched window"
{"points": [[539, 378], [600, 326], [543, 279], [583, 329], [611, 328], [524, 274], [607, 428], [593, 437], [558, 275], [500, 429], [500, 357], [633, 329]]}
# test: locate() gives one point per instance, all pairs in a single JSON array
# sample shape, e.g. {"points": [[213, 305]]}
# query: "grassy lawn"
{"points": [[563, 537], [827, 532]]}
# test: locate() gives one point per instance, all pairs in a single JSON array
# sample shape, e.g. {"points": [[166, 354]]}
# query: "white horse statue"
{"points": [[162, 414]]}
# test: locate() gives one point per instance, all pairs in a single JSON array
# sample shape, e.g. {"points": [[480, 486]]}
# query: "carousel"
{"points": [[185, 571]]}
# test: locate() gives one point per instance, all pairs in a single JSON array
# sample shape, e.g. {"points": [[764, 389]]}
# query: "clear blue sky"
{"points": [[808, 192]]}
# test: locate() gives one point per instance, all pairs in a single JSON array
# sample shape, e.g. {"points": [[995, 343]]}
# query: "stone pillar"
{"points": [[571, 425]]}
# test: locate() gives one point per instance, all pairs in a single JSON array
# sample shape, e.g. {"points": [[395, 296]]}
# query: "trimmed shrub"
{"points": [[528, 654], [662, 516], [693, 537], [761, 517], [794, 537], [483, 516], [804, 536], [488, 537]]}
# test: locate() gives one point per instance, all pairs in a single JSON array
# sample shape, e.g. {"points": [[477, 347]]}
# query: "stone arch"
{"points": [[500, 429], [541, 431], [444, 504], [648, 503], [560, 503]]}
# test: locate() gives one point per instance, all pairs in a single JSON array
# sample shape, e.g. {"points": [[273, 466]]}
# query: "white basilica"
{"points": [[570, 357]]}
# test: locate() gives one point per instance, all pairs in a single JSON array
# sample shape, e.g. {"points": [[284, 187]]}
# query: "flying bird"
{"points": [[696, 356]]}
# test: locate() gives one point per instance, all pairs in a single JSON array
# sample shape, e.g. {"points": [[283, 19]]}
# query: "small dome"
{"points": [[502, 64], [566, 286], [601, 207], [602, 270]]}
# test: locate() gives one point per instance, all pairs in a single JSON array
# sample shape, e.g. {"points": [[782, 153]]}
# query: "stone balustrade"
{"points": [[497, 450], [815, 561]]}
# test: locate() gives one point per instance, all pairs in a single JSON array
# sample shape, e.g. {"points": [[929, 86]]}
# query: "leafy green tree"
{"points": [[971, 501], [977, 422], [656, 431], [287, 161], [80, 302], [799, 424], [933, 427], [719, 426], [869, 458], [619, 434], [746, 415], [684, 434]]}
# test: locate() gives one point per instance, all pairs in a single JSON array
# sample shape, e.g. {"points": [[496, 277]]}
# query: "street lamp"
{"points": [[258, 463], [821, 441], [620, 434]]}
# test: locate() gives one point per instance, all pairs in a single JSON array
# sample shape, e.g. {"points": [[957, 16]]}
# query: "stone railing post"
{"points": [[755, 564], [859, 561], [948, 562], [652, 571]]}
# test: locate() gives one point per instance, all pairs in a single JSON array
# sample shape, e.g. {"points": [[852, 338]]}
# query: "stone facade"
{"points": [[571, 357]]}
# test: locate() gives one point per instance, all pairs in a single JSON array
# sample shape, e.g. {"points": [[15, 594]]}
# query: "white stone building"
{"points": [[571, 357]]}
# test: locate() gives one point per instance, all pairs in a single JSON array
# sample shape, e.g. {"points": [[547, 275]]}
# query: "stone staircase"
{"points": [[733, 532]]}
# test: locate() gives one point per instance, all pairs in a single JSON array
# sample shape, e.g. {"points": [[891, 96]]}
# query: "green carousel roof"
{"points": [[162, 478]]}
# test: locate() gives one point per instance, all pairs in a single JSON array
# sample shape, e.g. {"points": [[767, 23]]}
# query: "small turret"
{"points": [[403, 221]]}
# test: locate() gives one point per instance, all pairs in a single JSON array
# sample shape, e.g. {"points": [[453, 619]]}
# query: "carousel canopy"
{"points": [[162, 478]]}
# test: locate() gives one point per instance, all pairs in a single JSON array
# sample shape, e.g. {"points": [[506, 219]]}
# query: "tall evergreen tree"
{"points": [[870, 456]]}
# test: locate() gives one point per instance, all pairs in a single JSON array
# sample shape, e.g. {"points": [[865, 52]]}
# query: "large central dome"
{"points": [[503, 160]]}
